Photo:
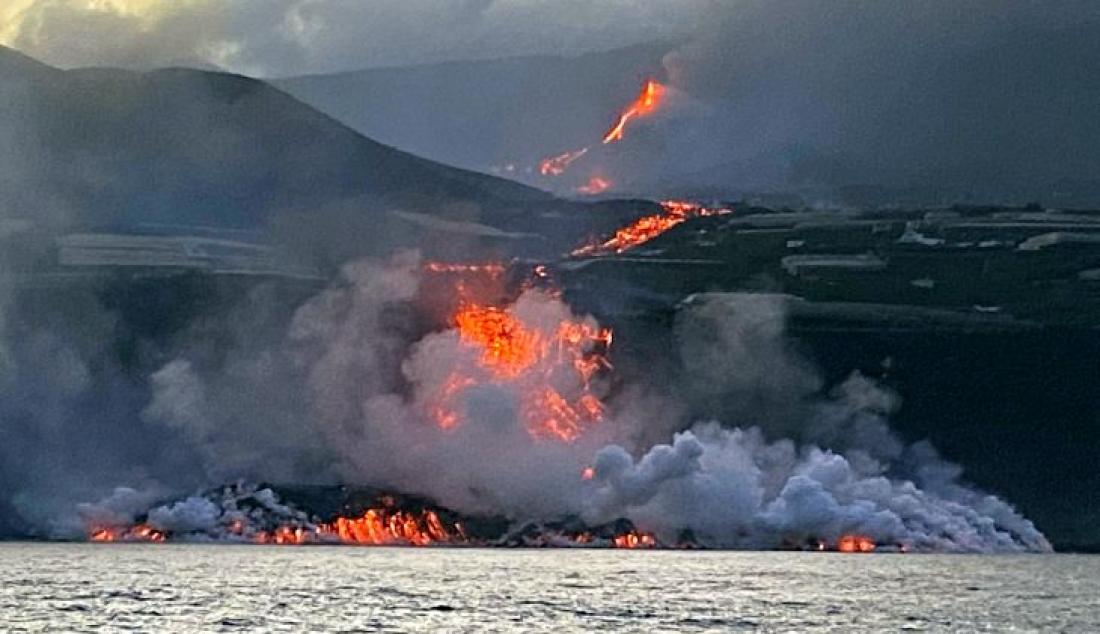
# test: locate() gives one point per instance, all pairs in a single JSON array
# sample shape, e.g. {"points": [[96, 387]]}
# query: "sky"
{"points": [[273, 38]]}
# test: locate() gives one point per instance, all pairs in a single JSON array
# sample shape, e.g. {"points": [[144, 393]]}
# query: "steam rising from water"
{"points": [[345, 393]]}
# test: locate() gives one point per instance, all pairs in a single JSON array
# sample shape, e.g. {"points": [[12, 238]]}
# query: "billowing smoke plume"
{"points": [[778, 93], [839, 471], [355, 383], [732, 488], [363, 392], [985, 98], [50, 432]]}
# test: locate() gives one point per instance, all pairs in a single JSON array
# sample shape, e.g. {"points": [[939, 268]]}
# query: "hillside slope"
{"points": [[480, 114], [177, 147], [1004, 119]]}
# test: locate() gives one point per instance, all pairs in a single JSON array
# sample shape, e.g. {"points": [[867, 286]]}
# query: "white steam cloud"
{"points": [[344, 395], [365, 389]]}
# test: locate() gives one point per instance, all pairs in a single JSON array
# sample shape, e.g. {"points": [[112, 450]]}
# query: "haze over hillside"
{"points": [[104, 148], [922, 113], [486, 114]]}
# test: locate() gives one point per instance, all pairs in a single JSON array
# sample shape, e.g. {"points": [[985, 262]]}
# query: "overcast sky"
{"points": [[287, 37], [274, 38]]}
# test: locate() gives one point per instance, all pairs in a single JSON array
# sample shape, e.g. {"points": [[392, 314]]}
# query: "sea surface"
{"points": [[189, 588]]}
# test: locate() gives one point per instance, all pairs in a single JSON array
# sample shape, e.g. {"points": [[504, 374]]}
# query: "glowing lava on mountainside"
{"points": [[647, 228], [648, 101]]}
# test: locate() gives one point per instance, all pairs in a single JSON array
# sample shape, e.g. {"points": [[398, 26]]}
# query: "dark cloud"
{"points": [[987, 96]]}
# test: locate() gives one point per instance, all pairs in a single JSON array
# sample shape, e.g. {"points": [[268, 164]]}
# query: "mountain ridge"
{"points": [[101, 147]]}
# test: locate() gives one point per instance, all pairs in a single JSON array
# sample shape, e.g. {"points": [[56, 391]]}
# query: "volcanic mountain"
{"points": [[166, 198], [1003, 119], [489, 113], [178, 149]]}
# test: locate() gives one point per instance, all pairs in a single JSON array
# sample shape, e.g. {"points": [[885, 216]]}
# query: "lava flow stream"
{"points": [[647, 228], [648, 101]]}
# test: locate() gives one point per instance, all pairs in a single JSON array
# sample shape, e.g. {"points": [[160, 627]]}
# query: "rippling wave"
{"points": [[64, 587]]}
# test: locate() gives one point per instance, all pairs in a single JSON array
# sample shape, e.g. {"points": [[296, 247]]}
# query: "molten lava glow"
{"points": [[595, 185], [647, 228], [381, 527], [634, 539], [588, 473], [136, 533], [376, 527], [286, 536], [855, 544], [507, 347], [533, 359], [647, 102], [556, 165], [103, 535], [441, 412]]}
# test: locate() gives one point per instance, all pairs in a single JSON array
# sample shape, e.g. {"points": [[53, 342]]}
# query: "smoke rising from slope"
{"points": [[981, 96], [935, 101], [360, 384], [798, 92]]}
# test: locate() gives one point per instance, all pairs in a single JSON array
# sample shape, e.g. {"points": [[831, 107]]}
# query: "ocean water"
{"points": [[188, 588]]}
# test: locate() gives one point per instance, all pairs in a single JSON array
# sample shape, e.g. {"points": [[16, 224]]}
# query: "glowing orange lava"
{"points": [[507, 347], [136, 533], [647, 228], [556, 165], [647, 102], [103, 535], [532, 359], [286, 536], [595, 185], [375, 527], [855, 544], [634, 539], [441, 411], [381, 527]]}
